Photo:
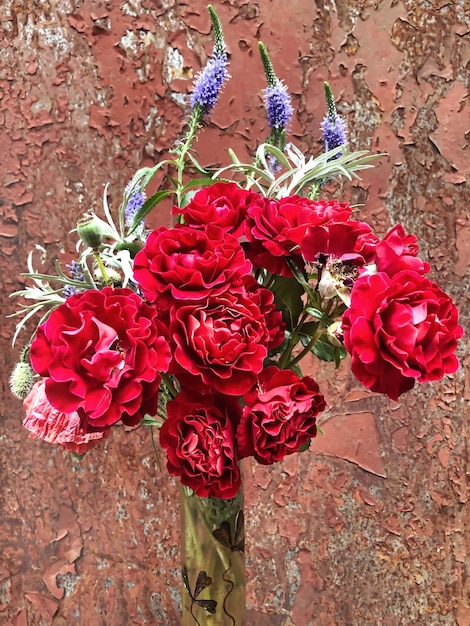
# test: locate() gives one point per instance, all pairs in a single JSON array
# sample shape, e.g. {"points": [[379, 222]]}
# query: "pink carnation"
{"points": [[69, 430]]}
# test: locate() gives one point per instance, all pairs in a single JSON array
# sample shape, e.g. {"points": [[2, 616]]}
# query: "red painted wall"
{"points": [[369, 527]]}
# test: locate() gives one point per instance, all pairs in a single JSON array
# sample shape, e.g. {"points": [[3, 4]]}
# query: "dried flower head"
{"points": [[21, 380]]}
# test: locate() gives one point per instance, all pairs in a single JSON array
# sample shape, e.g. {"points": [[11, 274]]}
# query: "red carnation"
{"points": [[199, 438], [183, 263], [398, 251], [222, 341], [101, 353], [276, 228], [400, 329], [279, 415], [347, 241], [223, 204]]}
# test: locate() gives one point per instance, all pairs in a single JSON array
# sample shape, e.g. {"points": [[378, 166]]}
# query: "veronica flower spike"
{"points": [[278, 106], [209, 82], [333, 125], [135, 200]]}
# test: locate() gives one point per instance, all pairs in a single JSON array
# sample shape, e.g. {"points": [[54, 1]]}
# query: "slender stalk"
{"points": [[315, 337], [293, 341], [194, 125], [102, 268]]}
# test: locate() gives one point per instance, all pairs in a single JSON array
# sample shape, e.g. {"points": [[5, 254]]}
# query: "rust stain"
{"points": [[452, 135], [340, 431]]}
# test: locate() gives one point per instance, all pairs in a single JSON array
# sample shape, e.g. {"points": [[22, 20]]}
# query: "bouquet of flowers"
{"points": [[200, 330]]}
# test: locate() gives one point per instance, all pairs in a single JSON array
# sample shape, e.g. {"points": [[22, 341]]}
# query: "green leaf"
{"points": [[339, 353], [324, 350], [265, 148], [288, 299], [189, 191], [300, 276], [197, 166], [307, 330], [233, 156], [316, 313], [145, 175], [198, 182], [148, 420], [305, 446], [172, 180]]}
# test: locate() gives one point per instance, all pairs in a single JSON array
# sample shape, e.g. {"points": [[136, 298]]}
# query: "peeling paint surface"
{"points": [[371, 527]]}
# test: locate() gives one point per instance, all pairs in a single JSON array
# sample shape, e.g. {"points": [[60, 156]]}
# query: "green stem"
{"points": [[102, 268], [270, 280], [155, 451], [180, 162], [314, 190], [293, 340], [306, 349]]}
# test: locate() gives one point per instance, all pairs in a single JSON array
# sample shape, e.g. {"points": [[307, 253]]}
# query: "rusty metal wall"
{"points": [[369, 528]]}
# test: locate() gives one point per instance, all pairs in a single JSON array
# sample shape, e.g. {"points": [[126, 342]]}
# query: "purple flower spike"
{"points": [[209, 83], [333, 125], [134, 203], [278, 107], [334, 131]]}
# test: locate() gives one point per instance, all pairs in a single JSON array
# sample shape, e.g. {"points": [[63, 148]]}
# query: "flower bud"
{"points": [[90, 231], [21, 380]]}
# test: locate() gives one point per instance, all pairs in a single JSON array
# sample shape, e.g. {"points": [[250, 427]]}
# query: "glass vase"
{"points": [[213, 561]]}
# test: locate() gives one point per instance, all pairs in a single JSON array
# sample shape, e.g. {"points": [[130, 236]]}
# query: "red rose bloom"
{"points": [[220, 342], [102, 353], [275, 228], [279, 415], [70, 430], [399, 329], [347, 241], [185, 264], [223, 204], [398, 251], [199, 438]]}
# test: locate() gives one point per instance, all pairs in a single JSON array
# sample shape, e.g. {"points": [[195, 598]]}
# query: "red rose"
{"points": [[183, 263], [199, 438], [275, 228], [279, 415], [70, 430], [347, 241], [398, 251], [223, 204], [102, 353], [399, 329], [220, 342]]}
